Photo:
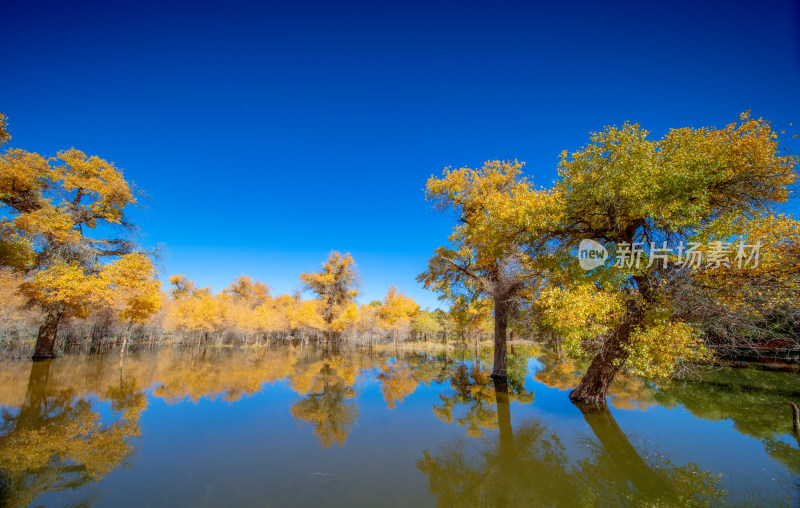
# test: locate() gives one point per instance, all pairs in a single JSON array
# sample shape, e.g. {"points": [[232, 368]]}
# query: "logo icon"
{"points": [[591, 254]]}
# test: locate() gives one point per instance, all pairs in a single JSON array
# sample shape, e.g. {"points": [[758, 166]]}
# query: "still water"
{"points": [[304, 426]]}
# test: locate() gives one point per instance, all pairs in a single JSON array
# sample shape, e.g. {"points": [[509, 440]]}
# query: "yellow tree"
{"points": [[336, 287], [193, 310], [4, 135], [133, 288], [397, 311], [248, 305], [271, 317], [245, 289], [367, 322], [485, 257], [471, 315], [62, 289], [648, 203], [426, 324], [300, 315], [63, 209]]}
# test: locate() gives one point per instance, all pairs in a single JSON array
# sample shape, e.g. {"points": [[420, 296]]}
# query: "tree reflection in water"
{"points": [[52, 436], [56, 440], [529, 466], [327, 398]]}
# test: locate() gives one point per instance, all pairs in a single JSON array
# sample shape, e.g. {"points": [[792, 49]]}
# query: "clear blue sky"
{"points": [[267, 134]]}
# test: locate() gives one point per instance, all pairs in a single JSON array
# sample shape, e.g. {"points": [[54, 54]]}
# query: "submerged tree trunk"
{"points": [[500, 326], [96, 345], [100, 331], [593, 388], [46, 341]]}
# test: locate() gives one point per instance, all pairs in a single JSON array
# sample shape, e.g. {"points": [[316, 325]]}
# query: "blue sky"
{"points": [[267, 134]]}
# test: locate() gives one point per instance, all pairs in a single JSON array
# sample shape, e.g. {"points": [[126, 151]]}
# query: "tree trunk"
{"points": [[97, 340], [594, 385], [125, 340], [500, 326], [593, 388], [46, 341]]}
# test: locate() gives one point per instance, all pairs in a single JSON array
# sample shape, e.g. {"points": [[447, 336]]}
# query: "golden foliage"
{"points": [[335, 287], [398, 310], [67, 286], [134, 287]]}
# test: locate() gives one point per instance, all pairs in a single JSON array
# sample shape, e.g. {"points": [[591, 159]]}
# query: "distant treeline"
{"points": [[244, 313]]}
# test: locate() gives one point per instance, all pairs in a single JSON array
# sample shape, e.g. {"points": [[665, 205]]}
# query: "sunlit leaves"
{"points": [[336, 287], [4, 135], [397, 310], [133, 286], [67, 286], [694, 184], [56, 215], [580, 314]]}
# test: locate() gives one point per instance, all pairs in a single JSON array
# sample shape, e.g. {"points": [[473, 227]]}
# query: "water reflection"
{"points": [[397, 382], [627, 392], [529, 466], [472, 394], [327, 396], [756, 401], [56, 440], [471, 441]]}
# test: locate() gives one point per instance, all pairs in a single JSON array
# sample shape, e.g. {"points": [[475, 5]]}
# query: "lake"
{"points": [[385, 425]]}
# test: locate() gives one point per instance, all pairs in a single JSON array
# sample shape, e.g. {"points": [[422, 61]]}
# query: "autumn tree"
{"points": [[471, 315], [62, 213], [243, 288], [485, 256], [336, 287], [249, 308], [695, 187], [4, 135], [397, 311], [16, 251], [134, 287], [426, 324], [194, 310]]}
